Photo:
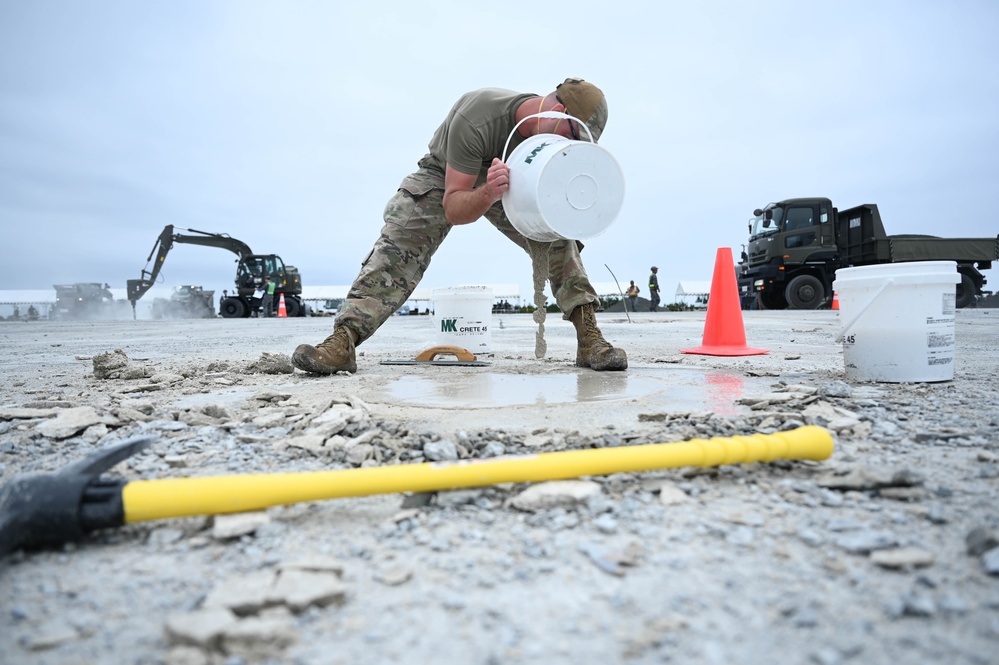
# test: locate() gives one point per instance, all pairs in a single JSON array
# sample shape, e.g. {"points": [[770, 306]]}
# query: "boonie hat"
{"points": [[653, 268], [585, 101]]}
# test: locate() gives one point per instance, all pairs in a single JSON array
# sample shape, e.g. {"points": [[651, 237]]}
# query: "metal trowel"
{"points": [[463, 358]]}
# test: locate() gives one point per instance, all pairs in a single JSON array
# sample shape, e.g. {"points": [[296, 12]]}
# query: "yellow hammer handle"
{"points": [[181, 497]]}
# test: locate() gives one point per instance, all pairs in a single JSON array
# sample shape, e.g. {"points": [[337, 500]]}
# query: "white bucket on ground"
{"points": [[463, 317], [560, 188], [898, 320]]}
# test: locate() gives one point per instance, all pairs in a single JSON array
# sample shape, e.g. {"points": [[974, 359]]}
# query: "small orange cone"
{"points": [[835, 302], [282, 312], [724, 334]]}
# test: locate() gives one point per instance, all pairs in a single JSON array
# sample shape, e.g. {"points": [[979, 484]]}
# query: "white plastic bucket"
{"points": [[898, 320], [560, 188], [462, 317]]}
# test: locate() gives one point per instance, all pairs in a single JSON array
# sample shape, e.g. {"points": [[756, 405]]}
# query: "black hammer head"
{"points": [[46, 509]]}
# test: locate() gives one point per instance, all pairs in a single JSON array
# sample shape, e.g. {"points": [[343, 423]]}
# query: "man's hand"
{"points": [[497, 179]]}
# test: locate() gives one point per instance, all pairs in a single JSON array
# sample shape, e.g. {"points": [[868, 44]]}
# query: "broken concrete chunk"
{"points": [[272, 396], [395, 575], [126, 415], [760, 401], [440, 451], [314, 563], [555, 494], [903, 557], [202, 628], [238, 524], [114, 365], [259, 639], [245, 594], [217, 412], [314, 443], [107, 363], [51, 634], [68, 422], [334, 419], [270, 363], [274, 419], [358, 454], [300, 589], [856, 479], [195, 419], [25, 413], [671, 495], [166, 378], [866, 541]]}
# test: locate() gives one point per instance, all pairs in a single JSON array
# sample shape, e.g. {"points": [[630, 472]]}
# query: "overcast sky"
{"points": [[290, 124]]}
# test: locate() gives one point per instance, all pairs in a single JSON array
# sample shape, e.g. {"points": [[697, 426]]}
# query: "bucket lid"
{"points": [[462, 290], [909, 272]]}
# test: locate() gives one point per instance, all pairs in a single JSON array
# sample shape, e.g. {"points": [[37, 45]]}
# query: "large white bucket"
{"points": [[462, 316], [560, 188], [898, 320]]}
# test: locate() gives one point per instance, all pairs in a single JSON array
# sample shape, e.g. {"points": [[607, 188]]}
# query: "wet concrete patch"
{"points": [[675, 388]]}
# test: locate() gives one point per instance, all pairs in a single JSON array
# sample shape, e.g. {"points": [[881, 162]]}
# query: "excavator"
{"points": [[249, 273]]}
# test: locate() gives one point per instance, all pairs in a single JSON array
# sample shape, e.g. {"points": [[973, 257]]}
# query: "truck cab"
{"points": [[796, 232]]}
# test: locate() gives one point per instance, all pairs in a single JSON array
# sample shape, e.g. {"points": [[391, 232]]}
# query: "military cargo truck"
{"points": [[83, 300], [797, 245]]}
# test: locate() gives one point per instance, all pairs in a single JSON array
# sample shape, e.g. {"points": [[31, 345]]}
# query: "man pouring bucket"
{"points": [[461, 179]]}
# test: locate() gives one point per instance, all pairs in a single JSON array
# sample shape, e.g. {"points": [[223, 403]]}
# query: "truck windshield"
{"points": [[761, 226]]}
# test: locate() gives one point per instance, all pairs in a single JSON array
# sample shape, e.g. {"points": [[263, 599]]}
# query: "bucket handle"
{"points": [[546, 114], [856, 317]]}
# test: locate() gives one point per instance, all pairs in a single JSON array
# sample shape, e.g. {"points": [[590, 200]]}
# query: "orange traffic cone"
{"points": [[724, 334], [282, 312], [835, 302]]}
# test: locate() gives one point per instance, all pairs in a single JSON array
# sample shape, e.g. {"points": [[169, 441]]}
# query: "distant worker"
{"points": [[633, 296], [653, 290], [258, 298], [267, 303]]}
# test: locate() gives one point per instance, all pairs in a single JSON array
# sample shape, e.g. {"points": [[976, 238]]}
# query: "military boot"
{"points": [[332, 355], [592, 349]]}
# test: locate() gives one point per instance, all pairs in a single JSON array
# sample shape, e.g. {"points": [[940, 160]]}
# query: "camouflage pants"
{"points": [[414, 228]]}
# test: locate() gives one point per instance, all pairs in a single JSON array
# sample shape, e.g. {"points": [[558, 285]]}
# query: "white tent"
{"points": [[690, 288], [698, 291], [319, 295]]}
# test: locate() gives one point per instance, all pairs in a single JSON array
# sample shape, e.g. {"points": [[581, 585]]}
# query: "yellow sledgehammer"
{"points": [[53, 508]]}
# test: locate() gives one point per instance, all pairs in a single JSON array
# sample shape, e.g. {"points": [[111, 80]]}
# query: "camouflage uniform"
{"points": [[414, 228]]}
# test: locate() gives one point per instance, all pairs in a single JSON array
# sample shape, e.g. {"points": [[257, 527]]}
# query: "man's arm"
{"points": [[464, 202]]}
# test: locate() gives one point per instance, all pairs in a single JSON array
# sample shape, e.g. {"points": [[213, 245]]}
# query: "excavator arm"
{"points": [[136, 288]]}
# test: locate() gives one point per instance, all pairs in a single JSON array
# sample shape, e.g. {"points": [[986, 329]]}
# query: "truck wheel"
{"points": [[805, 292], [966, 291], [232, 308], [770, 300], [292, 307]]}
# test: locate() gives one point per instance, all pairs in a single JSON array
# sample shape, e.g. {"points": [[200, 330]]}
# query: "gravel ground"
{"points": [[888, 551]]}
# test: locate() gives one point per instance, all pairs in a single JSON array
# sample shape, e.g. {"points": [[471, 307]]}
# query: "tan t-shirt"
{"points": [[475, 131]]}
